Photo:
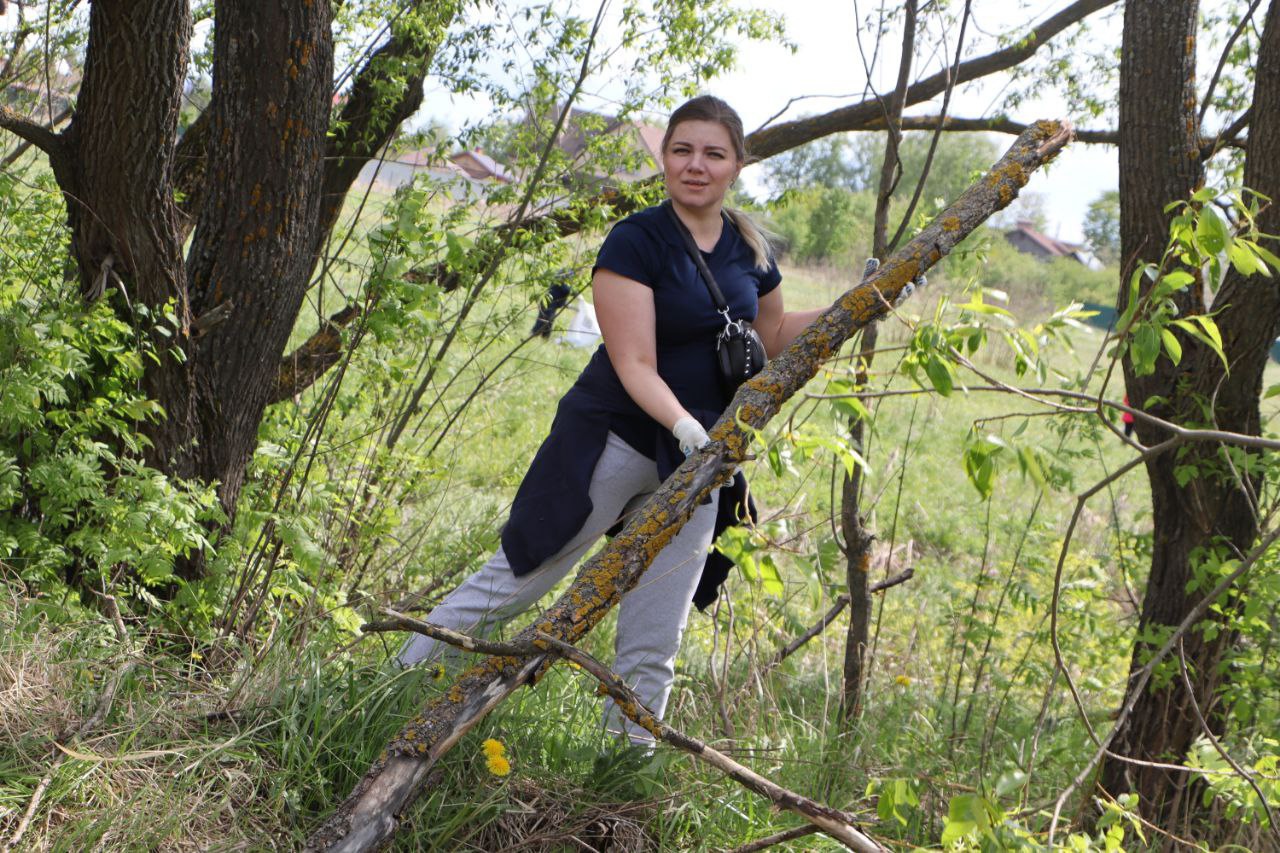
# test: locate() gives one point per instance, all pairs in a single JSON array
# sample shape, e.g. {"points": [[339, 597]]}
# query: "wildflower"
{"points": [[498, 765], [437, 673], [493, 748], [903, 681]]}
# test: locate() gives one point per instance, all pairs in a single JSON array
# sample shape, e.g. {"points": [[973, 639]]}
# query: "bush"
{"points": [[76, 501]]}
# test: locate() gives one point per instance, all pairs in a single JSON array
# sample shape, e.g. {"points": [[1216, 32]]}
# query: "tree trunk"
{"points": [[1215, 510], [115, 170], [252, 250], [858, 538]]}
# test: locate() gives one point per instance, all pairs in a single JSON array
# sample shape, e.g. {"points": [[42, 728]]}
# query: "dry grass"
{"points": [[153, 776]]}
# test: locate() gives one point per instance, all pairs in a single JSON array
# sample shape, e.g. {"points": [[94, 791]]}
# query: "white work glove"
{"points": [[911, 287], [690, 434]]}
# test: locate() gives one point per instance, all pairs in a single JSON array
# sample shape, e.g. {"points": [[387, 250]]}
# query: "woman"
{"points": [[646, 397]]}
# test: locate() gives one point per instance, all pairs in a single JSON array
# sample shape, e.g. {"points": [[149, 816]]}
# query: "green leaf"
{"points": [[961, 818], [939, 373], [1171, 345], [1266, 255], [1245, 261], [1211, 231], [1145, 349], [770, 577]]}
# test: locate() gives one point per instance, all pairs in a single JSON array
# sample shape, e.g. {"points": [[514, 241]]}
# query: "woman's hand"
{"points": [[624, 309], [778, 327]]}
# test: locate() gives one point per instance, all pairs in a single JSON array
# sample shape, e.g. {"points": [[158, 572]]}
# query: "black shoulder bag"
{"points": [[739, 350]]}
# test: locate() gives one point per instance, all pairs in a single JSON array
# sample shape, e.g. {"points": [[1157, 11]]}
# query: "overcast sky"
{"points": [[827, 62]]}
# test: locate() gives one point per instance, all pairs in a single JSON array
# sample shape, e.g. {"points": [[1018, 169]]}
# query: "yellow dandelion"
{"points": [[493, 748], [903, 681], [498, 765], [437, 673]]}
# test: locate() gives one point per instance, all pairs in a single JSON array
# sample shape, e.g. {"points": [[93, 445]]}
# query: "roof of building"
{"points": [[1051, 246]]}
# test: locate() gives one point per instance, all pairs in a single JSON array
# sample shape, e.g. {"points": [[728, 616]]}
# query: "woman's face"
{"points": [[699, 164]]}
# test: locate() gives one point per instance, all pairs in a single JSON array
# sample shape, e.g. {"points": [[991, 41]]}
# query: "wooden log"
{"points": [[370, 814]]}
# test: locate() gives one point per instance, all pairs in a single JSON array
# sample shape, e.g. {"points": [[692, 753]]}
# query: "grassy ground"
{"points": [[961, 697]]}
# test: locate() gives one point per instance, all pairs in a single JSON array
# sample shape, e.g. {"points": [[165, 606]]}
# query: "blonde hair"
{"points": [[713, 109]]}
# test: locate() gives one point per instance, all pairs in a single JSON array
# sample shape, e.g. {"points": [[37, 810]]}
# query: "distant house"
{"points": [[480, 166], [581, 127], [1026, 239], [458, 170]]}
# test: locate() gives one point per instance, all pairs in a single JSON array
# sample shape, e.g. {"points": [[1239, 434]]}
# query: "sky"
{"points": [[827, 62]]}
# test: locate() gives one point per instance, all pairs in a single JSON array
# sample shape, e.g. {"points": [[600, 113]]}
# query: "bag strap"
{"points": [[694, 252]]}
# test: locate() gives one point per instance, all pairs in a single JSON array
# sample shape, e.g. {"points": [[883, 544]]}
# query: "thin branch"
{"points": [[1208, 733], [1222, 59], [831, 821], [937, 134], [842, 601], [777, 838], [1139, 680]]}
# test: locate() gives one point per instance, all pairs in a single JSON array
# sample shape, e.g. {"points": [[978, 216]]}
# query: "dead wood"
{"points": [[371, 813], [833, 822]]}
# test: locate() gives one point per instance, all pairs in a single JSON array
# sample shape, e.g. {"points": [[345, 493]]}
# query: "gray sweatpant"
{"points": [[651, 617]]}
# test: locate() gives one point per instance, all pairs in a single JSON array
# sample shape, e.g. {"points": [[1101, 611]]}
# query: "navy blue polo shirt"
{"points": [[646, 248], [552, 502]]}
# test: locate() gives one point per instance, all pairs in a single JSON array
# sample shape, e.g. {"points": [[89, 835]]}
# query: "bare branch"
{"points": [[834, 823], [1208, 733], [842, 602], [779, 138], [39, 135]]}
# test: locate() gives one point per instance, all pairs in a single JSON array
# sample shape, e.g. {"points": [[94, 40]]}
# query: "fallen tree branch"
{"points": [[371, 813], [831, 821]]}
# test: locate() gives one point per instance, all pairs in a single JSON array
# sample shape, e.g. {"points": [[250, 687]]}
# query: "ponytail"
{"points": [[754, 236]]}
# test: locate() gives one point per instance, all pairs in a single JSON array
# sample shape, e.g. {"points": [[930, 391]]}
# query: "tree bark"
{"points": [[370, 815], [858, 538], [1214, 510]]}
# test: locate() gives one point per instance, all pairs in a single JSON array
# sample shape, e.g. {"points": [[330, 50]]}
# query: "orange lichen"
{"points": [[951, 224]]}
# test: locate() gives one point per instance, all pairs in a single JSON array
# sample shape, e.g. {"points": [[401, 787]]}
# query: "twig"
{"points": [[1139, 679], [842, 602], [1204, 727], [397, 621], [831, 821], [777, 838]]}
